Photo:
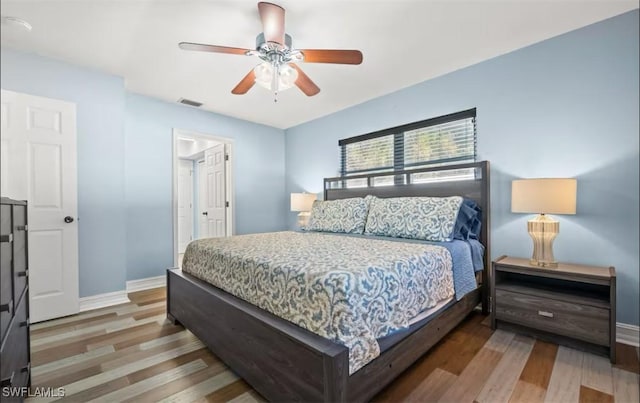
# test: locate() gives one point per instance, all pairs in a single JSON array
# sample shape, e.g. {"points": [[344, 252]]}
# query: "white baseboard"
{"points": [[628, 334], [146, 283], [120, 297], [103, 300]]}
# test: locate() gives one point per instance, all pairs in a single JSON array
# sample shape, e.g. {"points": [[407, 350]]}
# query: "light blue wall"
{"points": [[124, 168], [258, 169], [566, 107], [100, 104]]}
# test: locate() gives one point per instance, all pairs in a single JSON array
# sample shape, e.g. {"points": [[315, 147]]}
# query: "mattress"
{"points": [[347, 289]]}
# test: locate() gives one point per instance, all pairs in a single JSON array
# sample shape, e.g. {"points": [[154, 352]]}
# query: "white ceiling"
{"points": [[404, 42]]}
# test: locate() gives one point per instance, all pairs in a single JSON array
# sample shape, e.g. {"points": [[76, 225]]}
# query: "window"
{"points": [[373, 155], [444, 140]]}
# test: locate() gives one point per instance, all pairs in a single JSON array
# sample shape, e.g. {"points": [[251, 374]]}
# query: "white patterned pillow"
{"points": [[344, 215], [428, 218]]}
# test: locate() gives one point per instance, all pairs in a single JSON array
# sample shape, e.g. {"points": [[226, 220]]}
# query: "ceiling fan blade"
{"points": [[304, 82], [332, 56], [212, 48], [272, 16], [245, 84]]}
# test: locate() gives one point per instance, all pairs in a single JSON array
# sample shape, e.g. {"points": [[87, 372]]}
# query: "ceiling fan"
{"points": [[278, 70]]}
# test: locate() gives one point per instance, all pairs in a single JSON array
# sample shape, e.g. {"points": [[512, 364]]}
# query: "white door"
{"points": [[185, 204], [39, 165], [202, 201], [215, 203]]}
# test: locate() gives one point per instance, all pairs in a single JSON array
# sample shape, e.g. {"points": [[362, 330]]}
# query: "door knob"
{"points": [[68, 219], [205, 213]]}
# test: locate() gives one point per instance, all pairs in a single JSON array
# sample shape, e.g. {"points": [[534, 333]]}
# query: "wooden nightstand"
{"points": [[573, 305]]}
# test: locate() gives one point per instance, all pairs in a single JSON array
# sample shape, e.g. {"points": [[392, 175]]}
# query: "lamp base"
{"points": [[543, 230], [303, 218], [551, 265]]}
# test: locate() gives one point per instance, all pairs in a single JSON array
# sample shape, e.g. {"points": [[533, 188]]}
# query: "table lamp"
{"points": [[302, 202], [543, 196]]}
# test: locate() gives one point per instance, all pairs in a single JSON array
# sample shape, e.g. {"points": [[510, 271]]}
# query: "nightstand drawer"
{"points": [[583, 322]]}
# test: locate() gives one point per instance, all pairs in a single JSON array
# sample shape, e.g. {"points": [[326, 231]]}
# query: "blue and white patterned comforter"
{"points": [[347, 289]]}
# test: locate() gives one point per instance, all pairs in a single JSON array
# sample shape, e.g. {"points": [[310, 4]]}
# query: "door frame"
{"points": [[230, 184]]}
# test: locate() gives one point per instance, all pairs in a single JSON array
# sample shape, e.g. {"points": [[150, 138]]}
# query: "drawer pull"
{"points": [[23, 273], [6, 238], [545, 314], [6, 307], [6, 382], [22, 227], [26, 368], [24, 323]]}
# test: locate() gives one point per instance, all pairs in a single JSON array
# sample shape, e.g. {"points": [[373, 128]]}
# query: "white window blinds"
{"points": [[444, 140], [373, 155]]}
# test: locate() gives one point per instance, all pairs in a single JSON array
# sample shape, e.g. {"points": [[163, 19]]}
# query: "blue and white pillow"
{"points": [[427, 218], [344, 215]]}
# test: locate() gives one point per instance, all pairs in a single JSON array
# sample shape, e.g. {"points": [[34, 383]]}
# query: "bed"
{"points": [[287, 362]]}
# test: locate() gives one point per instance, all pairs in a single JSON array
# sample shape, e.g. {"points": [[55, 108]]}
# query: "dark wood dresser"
{"points": [[15, 367], [572, 304]]}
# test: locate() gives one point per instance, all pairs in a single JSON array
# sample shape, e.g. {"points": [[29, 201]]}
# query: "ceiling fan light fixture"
{"points": [[288, 76], [274, 47], [264, 72]]}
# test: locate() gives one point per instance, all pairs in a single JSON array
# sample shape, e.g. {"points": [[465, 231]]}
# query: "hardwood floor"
{"points": [[130, 353]]}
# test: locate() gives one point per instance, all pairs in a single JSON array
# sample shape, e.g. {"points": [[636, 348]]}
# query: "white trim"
{"points": [[146, 283], [120, 297], [229, 150], [103, 300], [628, 334]]}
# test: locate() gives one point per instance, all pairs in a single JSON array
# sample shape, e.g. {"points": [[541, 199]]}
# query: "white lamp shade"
{"points": [[544, 196], [287, 76], [302, 201]]}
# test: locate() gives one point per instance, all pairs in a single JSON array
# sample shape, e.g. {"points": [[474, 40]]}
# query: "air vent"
{"points": [[189, 102]]}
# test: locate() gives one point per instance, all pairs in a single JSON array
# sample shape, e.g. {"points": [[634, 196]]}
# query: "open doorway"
{"points": [[202, 189]]}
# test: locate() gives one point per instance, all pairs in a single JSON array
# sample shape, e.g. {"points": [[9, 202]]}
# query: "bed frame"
{"points": [[285, 362]]}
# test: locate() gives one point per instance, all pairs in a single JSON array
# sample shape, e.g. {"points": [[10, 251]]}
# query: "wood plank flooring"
{"points": [[131, 353]]}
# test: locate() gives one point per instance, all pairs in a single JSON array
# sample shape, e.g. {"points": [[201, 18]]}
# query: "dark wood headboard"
{"points": [[475, 186]]}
